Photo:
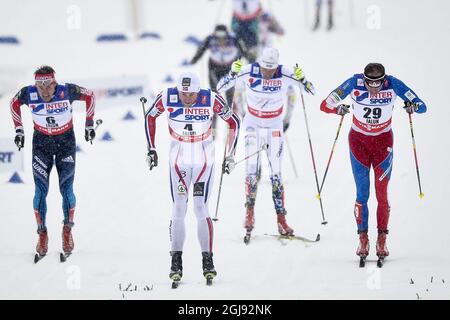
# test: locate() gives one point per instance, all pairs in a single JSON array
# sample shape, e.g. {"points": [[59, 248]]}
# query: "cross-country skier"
{"points": [[266, 84], [244, 24], [268, 27], [373, 94], [224, 49], [50, 104], [189, 112]]}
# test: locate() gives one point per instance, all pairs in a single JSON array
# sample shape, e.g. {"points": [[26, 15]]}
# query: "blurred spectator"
{"points": [[245, 25], [268, 26], [330, 14]]}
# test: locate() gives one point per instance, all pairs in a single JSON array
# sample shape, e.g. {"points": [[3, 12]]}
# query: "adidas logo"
{"points": [[68, 159]]}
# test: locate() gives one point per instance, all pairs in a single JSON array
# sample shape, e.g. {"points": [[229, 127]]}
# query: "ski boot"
{"points": [[363, 248], [283, 227], [382, 251], [176, 270], [208, 267], [42, 245], [67, 242]]}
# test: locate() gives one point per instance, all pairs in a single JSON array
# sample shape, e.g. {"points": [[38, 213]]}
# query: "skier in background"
{"points": [[191, 160], [266, 84], [224, 49], [330, 15], [53, 142], [371, 142], [245, 24], [268, 27]]}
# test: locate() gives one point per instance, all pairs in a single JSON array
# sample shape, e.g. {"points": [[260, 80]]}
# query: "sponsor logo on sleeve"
{"points": [[85, 91], [410, 95], [334, 98], [33, 96]]}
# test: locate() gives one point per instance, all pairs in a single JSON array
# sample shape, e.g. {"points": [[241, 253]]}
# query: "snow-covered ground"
{"points": [[123, 210]]}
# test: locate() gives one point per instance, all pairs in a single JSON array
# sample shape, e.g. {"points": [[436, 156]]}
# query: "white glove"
{"points": [[228, 164]]}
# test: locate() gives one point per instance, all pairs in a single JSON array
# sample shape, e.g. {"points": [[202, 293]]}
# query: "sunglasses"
{"points": [[44, 83], [374, 82]]}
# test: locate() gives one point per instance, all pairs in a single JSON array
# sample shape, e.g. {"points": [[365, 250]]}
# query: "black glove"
{"points": [[152, 159], [411, 107], [19, 140], [285, 125], [89, 133], [342, 109]]}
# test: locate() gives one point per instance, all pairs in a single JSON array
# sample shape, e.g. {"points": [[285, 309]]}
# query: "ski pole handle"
{"points": [[143, 101], [98, 122]]}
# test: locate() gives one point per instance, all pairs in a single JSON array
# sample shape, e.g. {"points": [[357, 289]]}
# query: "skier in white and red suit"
{"points": [[266, 84], [190, 111]]}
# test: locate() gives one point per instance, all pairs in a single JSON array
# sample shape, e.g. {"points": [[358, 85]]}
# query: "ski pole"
{"points": [[98, 122], [421, 195], [312, 157], [220, 184], [291, 156], [331, 155], [264, 147], [143, 101]]}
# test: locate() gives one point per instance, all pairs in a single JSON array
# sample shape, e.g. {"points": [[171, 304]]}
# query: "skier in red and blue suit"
{"points": [[53, 143], [373, 94]]}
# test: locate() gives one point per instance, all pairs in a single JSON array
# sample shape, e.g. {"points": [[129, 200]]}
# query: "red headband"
{"points": [[43, 77]]}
